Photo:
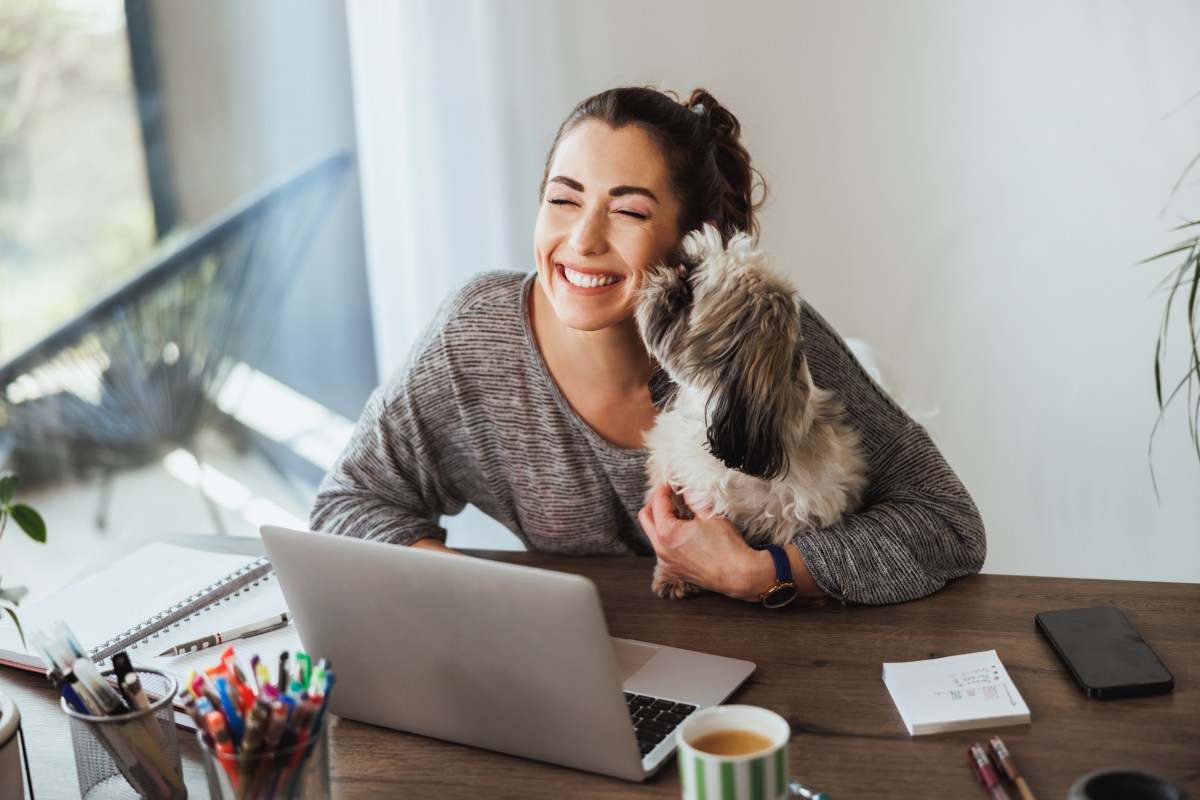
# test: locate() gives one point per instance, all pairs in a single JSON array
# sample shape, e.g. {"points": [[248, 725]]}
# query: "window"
{"points": [[76, 217]]}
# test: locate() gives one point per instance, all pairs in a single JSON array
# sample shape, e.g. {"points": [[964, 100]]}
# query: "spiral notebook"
{"points": [[156, 597]]}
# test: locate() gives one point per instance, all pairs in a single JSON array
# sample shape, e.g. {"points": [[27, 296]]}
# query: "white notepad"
{"points": [[158, 596], [955, 693]]}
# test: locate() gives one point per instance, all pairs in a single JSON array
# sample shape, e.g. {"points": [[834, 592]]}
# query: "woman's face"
{"points": [[608, 214]]}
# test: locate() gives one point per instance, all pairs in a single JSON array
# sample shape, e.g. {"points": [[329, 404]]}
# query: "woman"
{"points": [[528, 395]]}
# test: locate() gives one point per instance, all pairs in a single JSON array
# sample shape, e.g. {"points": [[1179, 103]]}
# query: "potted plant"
{"points": [[1181, 283], [34, 526], [27, 520]]}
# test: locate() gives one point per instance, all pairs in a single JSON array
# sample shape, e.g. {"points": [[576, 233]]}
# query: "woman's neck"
{"points": [[613, 359], [604, 375]]}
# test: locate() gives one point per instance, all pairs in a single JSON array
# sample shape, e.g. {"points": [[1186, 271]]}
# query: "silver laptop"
{"points": [[504, 657]]}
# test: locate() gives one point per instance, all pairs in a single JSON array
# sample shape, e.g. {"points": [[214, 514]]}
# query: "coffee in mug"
{"points": [[733, 753], [732, 742]]}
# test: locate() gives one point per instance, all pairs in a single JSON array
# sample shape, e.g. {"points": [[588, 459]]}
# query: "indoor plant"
{"points": [[1181, 282], [29, 521]]}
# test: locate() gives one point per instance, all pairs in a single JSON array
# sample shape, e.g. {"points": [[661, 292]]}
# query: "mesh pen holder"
{"points": [[130, 755]]}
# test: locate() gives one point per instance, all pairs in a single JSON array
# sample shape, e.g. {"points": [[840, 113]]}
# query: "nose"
{"points": [[589, 234]]}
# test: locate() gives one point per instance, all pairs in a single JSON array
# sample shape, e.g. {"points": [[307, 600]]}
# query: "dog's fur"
{"points": [[743, 431]]}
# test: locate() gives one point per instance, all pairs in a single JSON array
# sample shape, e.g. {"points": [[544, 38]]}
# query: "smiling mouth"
{"points": [[586, 280]]}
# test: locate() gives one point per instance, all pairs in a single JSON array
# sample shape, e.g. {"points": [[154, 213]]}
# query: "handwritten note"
{"points": [[954, 693]]}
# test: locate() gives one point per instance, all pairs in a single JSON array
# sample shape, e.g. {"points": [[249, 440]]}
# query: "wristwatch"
{"points": [[784, 590]]}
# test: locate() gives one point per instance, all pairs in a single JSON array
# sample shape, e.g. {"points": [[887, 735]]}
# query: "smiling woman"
{"points": [[530, 394]]}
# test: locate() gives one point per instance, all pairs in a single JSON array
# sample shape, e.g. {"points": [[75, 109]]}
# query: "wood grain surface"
{"points": [[819, 666]]}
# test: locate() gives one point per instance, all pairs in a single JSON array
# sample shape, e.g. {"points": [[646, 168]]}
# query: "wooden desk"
{"points": [[819, 667]]}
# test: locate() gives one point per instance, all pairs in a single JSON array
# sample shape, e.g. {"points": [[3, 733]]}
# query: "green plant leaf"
{"points": [[1179, 248], [1158, 372], [1175, 189], [8, 486], [30, 521], [12, 612]]}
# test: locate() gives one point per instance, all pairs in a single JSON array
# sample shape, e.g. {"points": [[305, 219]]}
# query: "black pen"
{"points": [[281, 679], [122, 666]]}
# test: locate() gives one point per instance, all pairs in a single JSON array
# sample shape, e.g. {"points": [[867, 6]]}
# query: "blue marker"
{"points": [[233, 718], [329, 679], [60, 682]]}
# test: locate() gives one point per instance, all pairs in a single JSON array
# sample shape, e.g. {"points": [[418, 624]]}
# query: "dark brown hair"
{"points": [[700, 141]]}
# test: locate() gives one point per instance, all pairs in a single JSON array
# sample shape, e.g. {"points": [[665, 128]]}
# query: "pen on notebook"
{"points": [[981, 765], [243, 632], [1006, 762]]}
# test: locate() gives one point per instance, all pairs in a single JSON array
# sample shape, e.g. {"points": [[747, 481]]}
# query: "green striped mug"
{"points": [[761, 774]]}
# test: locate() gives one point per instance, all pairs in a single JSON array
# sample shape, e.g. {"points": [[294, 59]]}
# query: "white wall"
{"points": [[965, 185]]}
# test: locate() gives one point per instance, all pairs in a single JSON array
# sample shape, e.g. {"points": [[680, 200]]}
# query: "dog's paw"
{"points": [[677, 589], [668, 586]]}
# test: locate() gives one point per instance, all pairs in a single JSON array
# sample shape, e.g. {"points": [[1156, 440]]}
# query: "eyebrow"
{"points": [[616, 191]]}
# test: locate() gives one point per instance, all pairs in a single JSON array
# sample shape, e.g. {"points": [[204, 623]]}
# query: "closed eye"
{"points": [[634, 214], [561, 201]]}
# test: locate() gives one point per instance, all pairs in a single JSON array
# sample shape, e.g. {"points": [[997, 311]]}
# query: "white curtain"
{"points": [[449, 155]]}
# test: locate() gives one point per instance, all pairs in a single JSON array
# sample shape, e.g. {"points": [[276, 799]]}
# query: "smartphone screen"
{"points": [[1104, 652]]}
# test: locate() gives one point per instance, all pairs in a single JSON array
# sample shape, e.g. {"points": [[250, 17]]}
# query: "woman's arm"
{"points": [[391, 483], [918, 528], [385, 485]]}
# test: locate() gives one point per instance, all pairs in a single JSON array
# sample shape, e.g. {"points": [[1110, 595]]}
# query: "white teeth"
{"points": [[588, 281]]}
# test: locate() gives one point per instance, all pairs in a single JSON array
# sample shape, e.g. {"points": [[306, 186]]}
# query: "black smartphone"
{"points": [[1104, 652]]}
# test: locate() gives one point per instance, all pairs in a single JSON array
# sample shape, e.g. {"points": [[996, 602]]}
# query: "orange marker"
{"points": [[223, 744]]}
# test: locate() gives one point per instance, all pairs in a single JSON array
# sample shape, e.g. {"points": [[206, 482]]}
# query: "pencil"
{"points": [[1006, 762]]}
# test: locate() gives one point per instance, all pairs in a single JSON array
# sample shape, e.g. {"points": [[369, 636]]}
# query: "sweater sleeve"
{"points": [[918, 527], [387, 484]]}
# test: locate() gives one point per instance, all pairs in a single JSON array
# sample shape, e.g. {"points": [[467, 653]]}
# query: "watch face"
{"points": [[780, 595]]}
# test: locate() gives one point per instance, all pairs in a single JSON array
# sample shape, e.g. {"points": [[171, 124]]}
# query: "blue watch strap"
{"points": [[783, 568]]}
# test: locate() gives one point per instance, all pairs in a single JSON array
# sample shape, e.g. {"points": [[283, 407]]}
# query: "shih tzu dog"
{"points": [[742, 432]]}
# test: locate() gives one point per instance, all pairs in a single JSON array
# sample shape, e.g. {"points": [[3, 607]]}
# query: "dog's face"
{"points": [[727, 327]]}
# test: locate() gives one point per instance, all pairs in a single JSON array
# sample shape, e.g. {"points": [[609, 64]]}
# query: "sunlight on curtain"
{"points": [[435, 142]]}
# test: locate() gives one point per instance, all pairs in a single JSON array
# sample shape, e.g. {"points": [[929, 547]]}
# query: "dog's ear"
{"points": [[744, 427], [663, 304], [662, 390], [756, 402]]}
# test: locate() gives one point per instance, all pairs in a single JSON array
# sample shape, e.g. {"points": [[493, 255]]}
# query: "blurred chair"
{"points": [[137, 375]]}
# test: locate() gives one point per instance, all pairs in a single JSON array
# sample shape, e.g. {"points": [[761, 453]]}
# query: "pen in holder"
{"points": [[135, 754], [296, 772]]}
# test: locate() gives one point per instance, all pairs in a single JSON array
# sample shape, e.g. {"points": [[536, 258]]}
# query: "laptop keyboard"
{"points": [[654, 718]]}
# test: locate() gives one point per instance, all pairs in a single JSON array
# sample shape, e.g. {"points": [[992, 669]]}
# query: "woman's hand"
{"points": [[707, 551], [710, 552], [434, 544]]}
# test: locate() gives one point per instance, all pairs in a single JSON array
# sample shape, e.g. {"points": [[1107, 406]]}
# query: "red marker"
{"points": [[224, 744], [981, 765]]}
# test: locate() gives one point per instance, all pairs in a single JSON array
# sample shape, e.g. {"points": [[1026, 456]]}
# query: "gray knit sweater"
{"points": [[474, 417]]}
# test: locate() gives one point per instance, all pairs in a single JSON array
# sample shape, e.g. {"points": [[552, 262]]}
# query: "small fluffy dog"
{"points": [[743, 431]]}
